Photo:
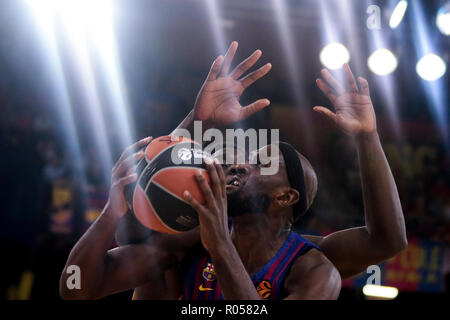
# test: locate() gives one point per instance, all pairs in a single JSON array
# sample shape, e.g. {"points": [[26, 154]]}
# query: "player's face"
{"points": [[247, 188]]}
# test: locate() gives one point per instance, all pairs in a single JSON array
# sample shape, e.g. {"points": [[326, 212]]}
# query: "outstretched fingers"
{"points": [[364, 86], [326, 90], [246, 64], [350, 79], [327, 113], [229, 56], [249, 79], [332, 82], [254, 108]]}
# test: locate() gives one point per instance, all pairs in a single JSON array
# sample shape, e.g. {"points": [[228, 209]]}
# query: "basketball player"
{"points": [[261, 247]]}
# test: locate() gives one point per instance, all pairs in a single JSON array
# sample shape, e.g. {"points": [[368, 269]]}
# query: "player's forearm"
{"points": [[383, 212], [90, 255], [188, 124], [235, 282]]}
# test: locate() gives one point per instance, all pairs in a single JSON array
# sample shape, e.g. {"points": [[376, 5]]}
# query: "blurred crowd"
{"points": [[422, 177]]}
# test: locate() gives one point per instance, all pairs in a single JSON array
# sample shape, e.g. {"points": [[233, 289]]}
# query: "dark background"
{"points": [[165, 50]]}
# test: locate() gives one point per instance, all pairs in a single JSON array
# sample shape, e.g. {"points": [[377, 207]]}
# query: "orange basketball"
{"points": [[167, 170]]}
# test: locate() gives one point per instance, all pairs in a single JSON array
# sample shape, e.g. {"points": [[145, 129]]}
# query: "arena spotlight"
{"points": [[383, 292], [398, 14], [334, 55], [431, 67], [382, 62], [443, 19], [88, 31], [217, 25]]}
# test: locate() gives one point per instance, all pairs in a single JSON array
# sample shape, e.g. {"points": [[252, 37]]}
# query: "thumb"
{"points": [[254, 108], [327, 113]]}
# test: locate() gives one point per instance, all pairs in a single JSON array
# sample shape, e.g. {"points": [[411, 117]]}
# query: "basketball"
{"points": [[166, 171]]}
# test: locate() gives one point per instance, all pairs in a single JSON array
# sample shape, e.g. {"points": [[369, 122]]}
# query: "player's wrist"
{"points": [[368, 137], [110, 213], [221, 250]]}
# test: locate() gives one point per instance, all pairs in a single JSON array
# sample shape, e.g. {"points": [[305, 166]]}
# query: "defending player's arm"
{"points": [[106, 271], [313, 277], [384, 234], [217, 102]]}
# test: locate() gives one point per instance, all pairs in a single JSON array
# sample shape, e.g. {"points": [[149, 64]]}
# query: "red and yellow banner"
{"points": [[418, 268]]}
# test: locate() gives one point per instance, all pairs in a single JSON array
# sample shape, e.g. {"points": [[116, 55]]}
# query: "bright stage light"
{"points": [[398, 14], [88, 31], [382, 62], [380, 291], [443, 19], [84, 10], [93, 18], [334, 55], [431, 67]]}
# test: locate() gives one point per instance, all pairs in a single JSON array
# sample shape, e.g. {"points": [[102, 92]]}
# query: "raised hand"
{"points": [[354, 113], [218, 100]]}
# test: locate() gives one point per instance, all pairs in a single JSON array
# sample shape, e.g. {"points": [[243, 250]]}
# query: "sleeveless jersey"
{"points": [[201, 282]]}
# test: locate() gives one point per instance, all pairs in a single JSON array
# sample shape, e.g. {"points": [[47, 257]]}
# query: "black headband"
{"points": [[295, 175]]}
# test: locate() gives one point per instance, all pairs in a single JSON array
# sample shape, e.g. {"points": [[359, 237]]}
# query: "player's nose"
{"points": [[238, 169]]}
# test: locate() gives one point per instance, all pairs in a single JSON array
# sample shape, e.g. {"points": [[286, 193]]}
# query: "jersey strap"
{"points": [[201, 282]]}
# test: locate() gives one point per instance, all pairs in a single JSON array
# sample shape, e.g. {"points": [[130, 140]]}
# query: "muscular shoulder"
{"points": [[309, 262], [314, 239], [313, 276]]}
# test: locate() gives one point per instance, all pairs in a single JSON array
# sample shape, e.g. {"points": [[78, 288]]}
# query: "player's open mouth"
{"points": [[234, 183]]}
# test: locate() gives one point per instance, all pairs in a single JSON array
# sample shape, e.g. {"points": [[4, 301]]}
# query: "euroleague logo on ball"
{"points": [[186, 154]]}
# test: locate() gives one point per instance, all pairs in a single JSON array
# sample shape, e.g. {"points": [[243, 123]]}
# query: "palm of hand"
{"points": [[218, 101], [354, 113]]}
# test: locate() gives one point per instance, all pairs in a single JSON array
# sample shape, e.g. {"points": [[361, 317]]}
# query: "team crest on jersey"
{"points": [[264, 289], [209, 273]]}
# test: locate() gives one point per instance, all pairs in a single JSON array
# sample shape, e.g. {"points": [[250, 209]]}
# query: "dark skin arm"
{"points": [[104, 271], [384, 234], [234, 280], [311, 277]]}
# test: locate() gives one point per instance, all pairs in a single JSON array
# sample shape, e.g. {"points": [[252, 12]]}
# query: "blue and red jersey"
{"points": [[201, 282]]}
